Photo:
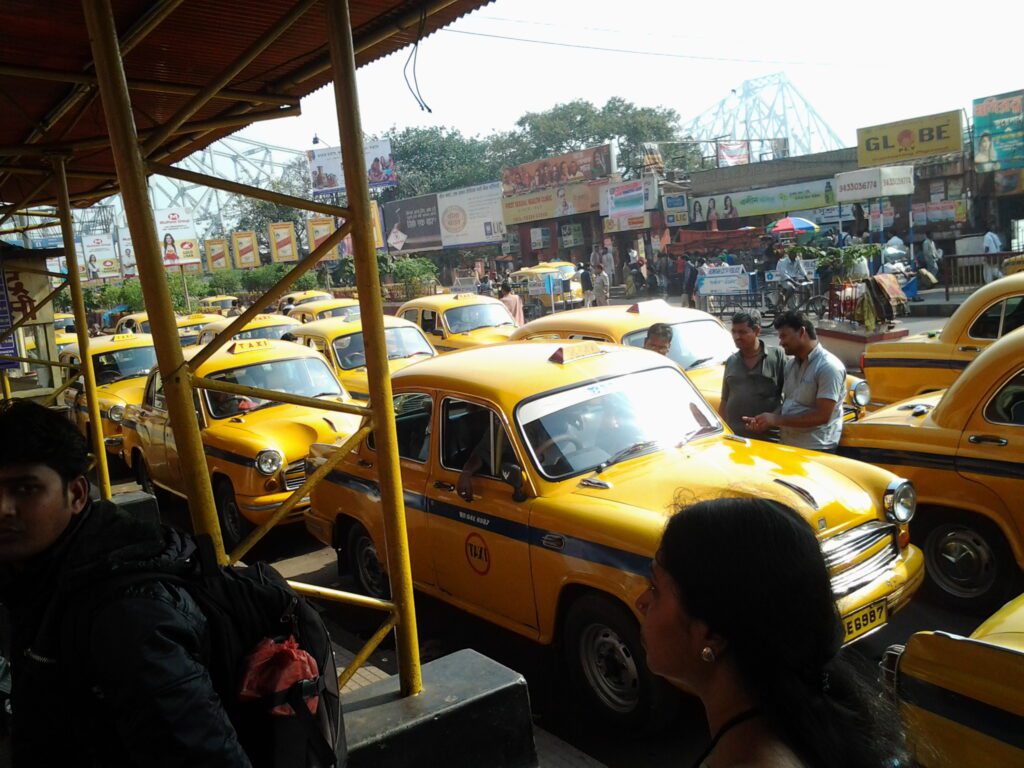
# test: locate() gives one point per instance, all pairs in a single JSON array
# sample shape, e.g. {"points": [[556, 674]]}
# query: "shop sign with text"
{"points": [[910, 139], [999, 132]]}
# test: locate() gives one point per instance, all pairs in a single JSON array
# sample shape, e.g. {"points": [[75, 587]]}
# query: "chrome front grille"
{"points": [[295, 475], [855, 559]]}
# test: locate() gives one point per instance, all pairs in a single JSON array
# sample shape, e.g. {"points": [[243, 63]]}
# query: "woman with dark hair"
{"points": [[170, 249], [756, 635]]}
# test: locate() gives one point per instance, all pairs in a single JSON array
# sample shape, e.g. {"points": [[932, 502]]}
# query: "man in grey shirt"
{"points": [[752, 383], [813, 390]]}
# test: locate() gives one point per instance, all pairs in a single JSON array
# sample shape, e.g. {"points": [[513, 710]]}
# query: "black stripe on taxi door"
{"points": [[992, 721], [993, 467], [911, 362]]}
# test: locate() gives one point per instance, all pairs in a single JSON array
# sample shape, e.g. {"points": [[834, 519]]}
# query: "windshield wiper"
{"points": [[327, 394], [699, 361], [696, 433], [625, 453], [411, 354]]}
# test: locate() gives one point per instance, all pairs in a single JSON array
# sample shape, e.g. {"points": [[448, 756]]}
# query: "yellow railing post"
{"points": [[5, 384], [92, 401], [343, 63], [152, 277]]}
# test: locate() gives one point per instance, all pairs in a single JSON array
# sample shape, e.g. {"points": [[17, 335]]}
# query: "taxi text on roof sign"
{"points": [[248, 346], [123, 337], [571, 352]]}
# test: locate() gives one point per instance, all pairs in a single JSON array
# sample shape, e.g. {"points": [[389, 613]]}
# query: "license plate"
{"points": [[863, 621]]}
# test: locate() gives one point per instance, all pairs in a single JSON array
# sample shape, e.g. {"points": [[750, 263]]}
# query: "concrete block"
{"points": [[473, 712]]}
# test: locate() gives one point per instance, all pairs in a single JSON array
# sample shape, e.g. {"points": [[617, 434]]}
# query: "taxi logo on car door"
{"points": [[477, 554]]}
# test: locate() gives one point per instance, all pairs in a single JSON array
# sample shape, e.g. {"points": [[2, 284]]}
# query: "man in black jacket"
{"points": [[102, 675]]}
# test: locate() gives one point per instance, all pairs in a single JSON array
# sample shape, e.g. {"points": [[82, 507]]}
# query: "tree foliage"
{"points": [[258, 215]]}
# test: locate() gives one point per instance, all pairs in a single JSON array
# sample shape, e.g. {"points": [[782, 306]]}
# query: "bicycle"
{"points": [[771, 300]]}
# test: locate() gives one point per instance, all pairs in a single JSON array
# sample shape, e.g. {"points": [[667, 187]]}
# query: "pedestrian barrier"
{"points": [[964, 273]]}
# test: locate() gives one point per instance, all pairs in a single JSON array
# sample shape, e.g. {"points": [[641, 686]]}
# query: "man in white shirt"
{"points": [[992, 243], [791, 273]]}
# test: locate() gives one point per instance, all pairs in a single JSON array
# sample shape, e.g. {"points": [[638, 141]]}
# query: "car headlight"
{"points": [[116, 413], [268, 462], [862, 393], [900, 501]]}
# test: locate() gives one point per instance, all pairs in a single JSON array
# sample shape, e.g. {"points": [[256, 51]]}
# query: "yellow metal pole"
{"points": [[6, 384], [92, 401], [365, 652], [152, 277], [343, 64], [349, 598]]}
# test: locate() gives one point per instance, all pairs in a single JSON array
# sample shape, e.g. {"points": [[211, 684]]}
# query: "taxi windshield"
{"points": [[401, 343], [473, 316], [123, 364], [144, 326], [304, 376], [349, 313], [188, 338], [62, 323], [599, 423], [222, 303], [266, 332], [694, 344]]}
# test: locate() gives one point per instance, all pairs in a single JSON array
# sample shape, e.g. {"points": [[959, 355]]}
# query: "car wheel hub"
{"points": [[370, 572], [610, 668], [963, 562]]}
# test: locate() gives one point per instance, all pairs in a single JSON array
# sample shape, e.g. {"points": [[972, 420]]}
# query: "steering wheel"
{"points": [[554, 441], [106, 375], [355, 360]]}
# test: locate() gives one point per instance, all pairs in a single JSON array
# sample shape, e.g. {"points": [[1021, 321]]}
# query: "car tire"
{"points": [[142, 476], [234, 526], [601, 643], [968, 564], [371, 577]]}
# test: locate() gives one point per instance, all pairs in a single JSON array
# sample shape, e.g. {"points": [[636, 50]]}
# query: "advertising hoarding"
{"points": [[762, 202], [591, 164], [677, 210], [284, 245], [124, 243], [247, 252], [217, 255], [626, 199], [471, 216], [999, 132], [179, 243], [327, 177], [869, 183], [101, 260], [910, 139], [627, 223], [413, 224], [581, 197]]}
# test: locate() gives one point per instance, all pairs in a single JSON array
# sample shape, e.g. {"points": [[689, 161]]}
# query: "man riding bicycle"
{"points": [[793, 278]]}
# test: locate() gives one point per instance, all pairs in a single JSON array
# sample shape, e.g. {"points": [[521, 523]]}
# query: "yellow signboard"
{"points": [[910, 139], [247, 253], [217, 256], [283, 245], [318, 229]]}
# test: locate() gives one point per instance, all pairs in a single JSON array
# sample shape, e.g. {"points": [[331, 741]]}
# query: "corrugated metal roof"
{"points": [[195, 42]]}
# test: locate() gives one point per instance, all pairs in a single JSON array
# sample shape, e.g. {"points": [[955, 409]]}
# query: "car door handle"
{"points": [[987, 440], [553, 541], [443, 486], [365, 464], [969, 349]]}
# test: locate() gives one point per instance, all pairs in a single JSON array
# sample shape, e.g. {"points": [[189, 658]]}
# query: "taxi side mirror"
{"points": [[513, 475]]}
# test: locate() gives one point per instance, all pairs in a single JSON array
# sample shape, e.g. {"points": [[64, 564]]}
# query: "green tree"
{"points": [[258, 215], [438, 159]]}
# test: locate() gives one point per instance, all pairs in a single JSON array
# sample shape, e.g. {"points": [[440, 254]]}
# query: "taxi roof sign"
{"points": [[248, 346], [651, 304], [123, 336], [571, 352]]}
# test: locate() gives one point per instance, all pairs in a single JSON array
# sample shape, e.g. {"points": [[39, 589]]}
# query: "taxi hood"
{"points": [[487, 335], [923, 343], [290, 429], [124, 392], [1005, 627], [912, 412], [723, 466]]}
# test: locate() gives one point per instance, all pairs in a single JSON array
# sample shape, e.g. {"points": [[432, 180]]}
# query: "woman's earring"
{"points": [[707, 654]]}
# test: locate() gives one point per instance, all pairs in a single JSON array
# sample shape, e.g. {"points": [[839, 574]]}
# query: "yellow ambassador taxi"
{"points": [[189, 326], [295, 298], [536, 280], [962, 698], [926, 362], [459, 320], [217, 305], [700, 342], [121, 363], [341, 342], [62, 321], [582, 461], [321, 309], [260, 327], [964, 450], [255, 449]]}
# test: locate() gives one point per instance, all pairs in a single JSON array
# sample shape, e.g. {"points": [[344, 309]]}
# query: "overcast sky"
{"points": [[857, 64]]}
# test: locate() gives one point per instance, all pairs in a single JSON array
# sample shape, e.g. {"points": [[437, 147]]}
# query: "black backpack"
{"points": [[243, 606]]}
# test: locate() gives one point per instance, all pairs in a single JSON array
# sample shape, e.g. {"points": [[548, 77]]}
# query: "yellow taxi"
{"points": [[63, 340], [217, 305], [133, 322], [260, 327], [189, 326], [964, 449], [321, 309], [121, 363], [62, 321], [295, 298], [700, 342], [583, 449], [341, 342], [542, 284], [926, 362], [961, 697], [255, 448], [1013, 265], [459, 320]]}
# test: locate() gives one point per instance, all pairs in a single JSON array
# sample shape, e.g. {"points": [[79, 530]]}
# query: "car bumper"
{"points": [[259, 509], [896, 586]]}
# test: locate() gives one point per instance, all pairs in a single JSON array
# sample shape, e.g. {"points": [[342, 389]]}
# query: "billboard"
{"points": [[910, 139], [592, 164], [318, 229], [627, 223], [581, 197], [247, 252], [283, 243], [762, 202], [327, 177], [626, 199], [217, 255], [413, 224], [869, 183], [999, 132], [124, 242], [179, 243], [471, 216], [733, 153], [101, 260], [677, 211], [651, 157]]}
